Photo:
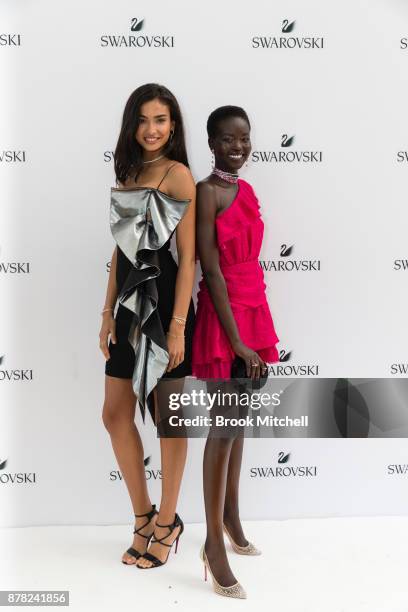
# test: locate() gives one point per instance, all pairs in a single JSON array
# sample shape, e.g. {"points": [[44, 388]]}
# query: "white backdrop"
{"points": [[337, 82]]}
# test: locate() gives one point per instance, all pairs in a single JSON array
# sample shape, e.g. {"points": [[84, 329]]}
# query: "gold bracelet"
{"points": [[106, 310], [174, 336], [180, 320]]}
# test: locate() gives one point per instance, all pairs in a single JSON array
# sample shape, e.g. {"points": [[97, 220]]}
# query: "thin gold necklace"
{"points": [[150, 161]]}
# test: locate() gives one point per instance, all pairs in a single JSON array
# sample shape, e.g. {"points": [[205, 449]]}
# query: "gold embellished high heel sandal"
{"points": [[132, 551], [249, 549], [235, 590]]}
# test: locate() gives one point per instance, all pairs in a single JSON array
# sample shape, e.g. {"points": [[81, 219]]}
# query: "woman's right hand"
{"points": [[254, 364], [108, 327]]}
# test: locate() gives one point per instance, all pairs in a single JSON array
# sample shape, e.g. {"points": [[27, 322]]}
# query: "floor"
{"points": [[312, 565]]}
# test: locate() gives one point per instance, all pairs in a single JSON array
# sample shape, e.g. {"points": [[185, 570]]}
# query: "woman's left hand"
{"points": [[175, 347]]}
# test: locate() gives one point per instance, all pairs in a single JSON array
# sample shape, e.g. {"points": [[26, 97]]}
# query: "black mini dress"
{"points": [[143, 221]]}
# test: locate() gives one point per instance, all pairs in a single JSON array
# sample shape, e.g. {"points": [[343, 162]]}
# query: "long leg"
{"points": [[215, 469], [173, 459], [215, 472], [231, 506], [118, 417]]}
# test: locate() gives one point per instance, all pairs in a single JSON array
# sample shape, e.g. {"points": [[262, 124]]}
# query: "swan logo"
{"points": [[284, 356], [136, 40], [284, 368], [12, 157], [136, 24], [151, 473], [286, 263], [288, 26], [14, 375], [287, 142], [11, 478], [283, 470], [10, 40], [283, 458], [285, 250], [284, 156], [288, 40]]}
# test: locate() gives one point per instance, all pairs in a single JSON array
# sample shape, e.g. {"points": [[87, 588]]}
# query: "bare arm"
{"points": [[112, 291], [108, 322], [181, 186], [209, 257]]}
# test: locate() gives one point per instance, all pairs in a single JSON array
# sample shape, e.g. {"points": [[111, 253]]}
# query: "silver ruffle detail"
{"points": [[141, 221]]}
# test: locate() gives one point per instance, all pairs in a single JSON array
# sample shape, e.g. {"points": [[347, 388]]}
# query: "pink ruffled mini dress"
{"points": [[239, 231]]}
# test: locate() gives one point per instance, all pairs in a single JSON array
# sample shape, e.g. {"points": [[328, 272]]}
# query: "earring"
{"points": [[171, 135], [212, 159]]}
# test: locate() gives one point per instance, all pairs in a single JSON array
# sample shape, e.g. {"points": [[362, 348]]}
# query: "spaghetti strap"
{"points": [[166, 173]]}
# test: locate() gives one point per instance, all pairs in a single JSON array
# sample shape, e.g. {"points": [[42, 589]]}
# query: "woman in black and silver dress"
{"points": [[150, 337]]}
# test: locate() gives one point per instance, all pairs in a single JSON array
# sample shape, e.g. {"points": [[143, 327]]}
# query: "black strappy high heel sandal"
{"points": [[132, 551], [156, 562]]}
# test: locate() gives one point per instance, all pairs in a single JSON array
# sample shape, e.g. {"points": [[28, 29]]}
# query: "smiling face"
{"points": [[155, 124], [232, 144]]}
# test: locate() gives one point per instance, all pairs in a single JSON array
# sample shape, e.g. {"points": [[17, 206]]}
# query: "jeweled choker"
{"points": [[230, 177]]}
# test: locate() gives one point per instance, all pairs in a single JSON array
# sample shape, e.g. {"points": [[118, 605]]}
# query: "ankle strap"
{"points": [[149, 514], [175, 523]]}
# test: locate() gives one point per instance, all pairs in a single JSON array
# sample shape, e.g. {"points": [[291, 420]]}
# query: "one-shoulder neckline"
{"points": [[233, 201], [118, 189]]}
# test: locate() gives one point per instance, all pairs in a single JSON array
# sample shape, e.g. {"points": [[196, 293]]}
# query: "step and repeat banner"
{"points": [[325, 87]]}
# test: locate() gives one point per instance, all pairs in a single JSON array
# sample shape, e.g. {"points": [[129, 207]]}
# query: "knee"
{"points": [[115, 419], [218, 446]]}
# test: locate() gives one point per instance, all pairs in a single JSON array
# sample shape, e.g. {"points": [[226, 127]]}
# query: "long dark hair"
{"points": [[128, 152]]}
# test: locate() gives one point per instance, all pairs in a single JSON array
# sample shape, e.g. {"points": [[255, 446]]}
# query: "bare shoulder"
{"points": [[180, 182], [206, 199], [180, 170], [206, 190]]}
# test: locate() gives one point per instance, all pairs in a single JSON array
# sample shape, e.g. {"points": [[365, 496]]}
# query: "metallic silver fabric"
{"points": [[141, 221]]}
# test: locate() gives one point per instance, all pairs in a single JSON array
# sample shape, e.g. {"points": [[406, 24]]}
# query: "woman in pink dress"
{"points": [[232, 319]]}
